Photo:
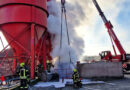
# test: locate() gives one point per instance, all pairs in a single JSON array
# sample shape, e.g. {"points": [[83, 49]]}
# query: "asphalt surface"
{"points": [[113, 84], [117, 84]]}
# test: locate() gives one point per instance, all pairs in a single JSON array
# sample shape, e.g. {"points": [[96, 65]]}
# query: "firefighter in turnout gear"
{"points": [[24, 77], [49, 65], [76, 79]]}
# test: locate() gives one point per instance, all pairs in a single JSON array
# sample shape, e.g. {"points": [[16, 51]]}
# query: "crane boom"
{"points": [[110, 29]]}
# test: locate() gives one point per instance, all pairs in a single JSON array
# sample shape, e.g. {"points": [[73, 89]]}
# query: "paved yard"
{"points": [[117, 84]]}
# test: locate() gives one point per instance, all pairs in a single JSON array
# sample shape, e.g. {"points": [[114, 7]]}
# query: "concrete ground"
{"points": [[117, 84]]}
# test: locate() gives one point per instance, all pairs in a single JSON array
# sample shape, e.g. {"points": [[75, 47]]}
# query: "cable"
{"points": [[67, 33], [64, 12], [61, 32]]}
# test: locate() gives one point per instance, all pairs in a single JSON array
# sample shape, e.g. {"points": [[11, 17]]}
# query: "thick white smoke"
{"points": [[54, 27]]}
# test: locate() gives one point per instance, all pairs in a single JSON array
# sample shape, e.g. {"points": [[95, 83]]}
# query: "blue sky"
{"points": [[124, 15], [123, 20]]}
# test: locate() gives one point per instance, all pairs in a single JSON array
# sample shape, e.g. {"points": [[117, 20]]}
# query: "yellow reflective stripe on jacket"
{"points": [[76, 77], [23, 74]]}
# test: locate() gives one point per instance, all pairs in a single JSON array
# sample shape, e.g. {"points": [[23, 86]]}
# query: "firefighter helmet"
{"points": [[22, 64], [48, 61], [74, 70]]}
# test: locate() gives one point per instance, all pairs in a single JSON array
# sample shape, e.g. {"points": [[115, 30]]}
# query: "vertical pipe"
{"points": [[32, 50]]}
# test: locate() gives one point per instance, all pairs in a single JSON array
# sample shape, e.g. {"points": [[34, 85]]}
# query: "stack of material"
{"points": [[101, 69]]}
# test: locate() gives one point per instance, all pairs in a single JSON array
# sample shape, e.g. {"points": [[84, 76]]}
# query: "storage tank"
{"points": [[16, 17], [23, 22]]}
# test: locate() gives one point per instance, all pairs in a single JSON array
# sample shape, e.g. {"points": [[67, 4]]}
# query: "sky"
{"points": [[89, 28]]}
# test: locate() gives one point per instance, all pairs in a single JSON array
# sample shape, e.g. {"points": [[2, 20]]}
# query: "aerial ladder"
{"points": [[107, 55]]}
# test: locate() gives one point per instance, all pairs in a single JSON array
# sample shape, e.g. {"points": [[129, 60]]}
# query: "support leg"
{"points": [[32, 50]]}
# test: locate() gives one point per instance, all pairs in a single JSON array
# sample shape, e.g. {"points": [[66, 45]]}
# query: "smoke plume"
{"points": [[65, 54]]}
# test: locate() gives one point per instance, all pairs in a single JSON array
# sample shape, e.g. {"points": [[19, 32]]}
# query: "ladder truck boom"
{"points": [[110, 29]]}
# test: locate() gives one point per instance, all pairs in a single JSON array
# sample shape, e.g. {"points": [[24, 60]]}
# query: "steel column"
{"points": [[32, 50]]}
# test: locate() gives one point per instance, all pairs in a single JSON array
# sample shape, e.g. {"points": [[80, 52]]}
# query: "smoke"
{"points": [[89, 26], [54, 22], [65, 54]]}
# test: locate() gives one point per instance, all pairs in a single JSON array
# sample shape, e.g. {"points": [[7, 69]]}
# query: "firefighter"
{"points": [[24, 77], [76, 79], [49, 65]]}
